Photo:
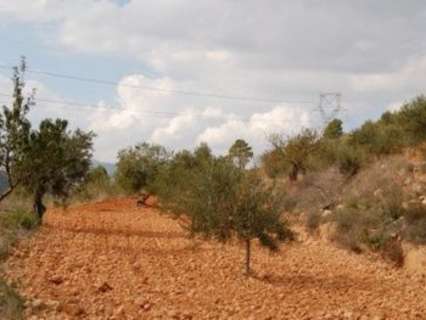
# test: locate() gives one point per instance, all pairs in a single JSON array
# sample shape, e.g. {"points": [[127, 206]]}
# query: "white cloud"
{"points": [[395, 106], [256, 130], [281, 50]]}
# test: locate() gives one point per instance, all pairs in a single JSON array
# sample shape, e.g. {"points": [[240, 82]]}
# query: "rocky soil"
{"points": [[112, 260]]}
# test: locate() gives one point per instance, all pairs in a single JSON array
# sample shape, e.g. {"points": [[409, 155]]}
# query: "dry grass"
{"points": [[11, 304], [15, 223]]}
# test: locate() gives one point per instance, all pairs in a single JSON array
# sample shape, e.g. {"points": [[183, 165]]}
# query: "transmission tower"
{"points": [[330, 106]]}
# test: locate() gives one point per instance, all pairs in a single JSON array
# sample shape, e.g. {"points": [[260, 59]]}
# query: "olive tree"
{"points": [[296, 151], [137, 166], [14, 132], [57, 160], [221, 201], [48, 160]]}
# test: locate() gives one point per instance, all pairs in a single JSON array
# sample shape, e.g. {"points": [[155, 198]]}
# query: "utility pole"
{"points": [[330, 105]]}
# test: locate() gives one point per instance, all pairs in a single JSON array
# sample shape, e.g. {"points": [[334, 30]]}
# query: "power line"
{"points": [[92, 106], [62, 103], [188, 93]]}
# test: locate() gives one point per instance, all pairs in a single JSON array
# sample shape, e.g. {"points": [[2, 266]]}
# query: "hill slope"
{"points": [[111, 259]]}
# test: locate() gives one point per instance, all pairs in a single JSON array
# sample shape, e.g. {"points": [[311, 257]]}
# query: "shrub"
{"points": [[11, 224], [350, 229], [18, 219], [334, 129], [358, 228], [392, 251], [415, 230], [11, 304], [412, 118], [350, 159], [382, 137], [313, 220], [273, 165]]}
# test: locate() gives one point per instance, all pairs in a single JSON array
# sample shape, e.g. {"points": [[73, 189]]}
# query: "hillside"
{"points": [[113, 260]]}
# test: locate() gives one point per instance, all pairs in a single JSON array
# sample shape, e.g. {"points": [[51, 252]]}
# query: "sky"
{"points": [[182, 72]]}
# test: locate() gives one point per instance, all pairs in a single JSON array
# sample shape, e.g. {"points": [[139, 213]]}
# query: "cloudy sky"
{"points": [[181, 72]]}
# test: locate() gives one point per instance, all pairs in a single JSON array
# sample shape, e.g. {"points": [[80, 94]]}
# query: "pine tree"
{"points": [[240, 153]]}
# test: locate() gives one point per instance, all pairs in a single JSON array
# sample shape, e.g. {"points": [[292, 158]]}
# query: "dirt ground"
{"points": [[112, 260]]}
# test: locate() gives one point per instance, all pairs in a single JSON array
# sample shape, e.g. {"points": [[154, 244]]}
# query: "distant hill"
{"points": [[110, 167]]}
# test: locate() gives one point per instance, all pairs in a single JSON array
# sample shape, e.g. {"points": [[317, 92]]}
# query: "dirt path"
{"points": [[111, 260]]}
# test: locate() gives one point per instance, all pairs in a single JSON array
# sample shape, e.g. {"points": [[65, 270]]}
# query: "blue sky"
{"points": [[286, 52]]}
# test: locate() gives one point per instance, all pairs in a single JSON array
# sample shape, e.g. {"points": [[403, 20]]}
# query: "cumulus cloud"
{"points": [[257, 129], [372, 52], [176, 125]]}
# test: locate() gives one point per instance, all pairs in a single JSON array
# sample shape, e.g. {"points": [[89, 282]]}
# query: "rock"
{"points": [[418, 188], [187, 315], [74, 309], [421, 168], [378, 193], [141, 302], [147, 306], [57, 279], [37, 304], [326, 213], [173, 314], [119, 310], [52, 304], [104, 287], [408, 181]]}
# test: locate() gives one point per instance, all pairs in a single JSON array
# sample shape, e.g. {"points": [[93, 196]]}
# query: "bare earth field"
{"points": [[111, 260]]}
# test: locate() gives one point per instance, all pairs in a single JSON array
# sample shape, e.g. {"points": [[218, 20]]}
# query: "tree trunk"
{"points": [[293, 173], [38, 206], [248, 252], [6, 193]]}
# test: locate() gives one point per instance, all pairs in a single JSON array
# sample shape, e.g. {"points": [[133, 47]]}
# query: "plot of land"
{"points": [[112, 260]]}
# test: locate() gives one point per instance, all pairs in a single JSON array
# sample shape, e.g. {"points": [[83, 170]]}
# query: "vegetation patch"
{"points": [[13, 225], [11, 304]]}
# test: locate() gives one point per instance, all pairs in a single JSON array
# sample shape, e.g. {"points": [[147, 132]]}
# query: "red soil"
{"points": [[112, 260]]}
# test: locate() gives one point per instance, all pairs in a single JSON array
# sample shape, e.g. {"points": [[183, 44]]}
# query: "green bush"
{"points": [[412, 118], [415, 230], [350, 159], [360, 227], [334, 129], [18, 219], [12, 223], [385, 136], [138, 166]]}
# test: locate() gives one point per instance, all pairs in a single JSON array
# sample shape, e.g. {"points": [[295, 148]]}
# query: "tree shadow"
{"points": [[119, 232], [335, 283]]}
